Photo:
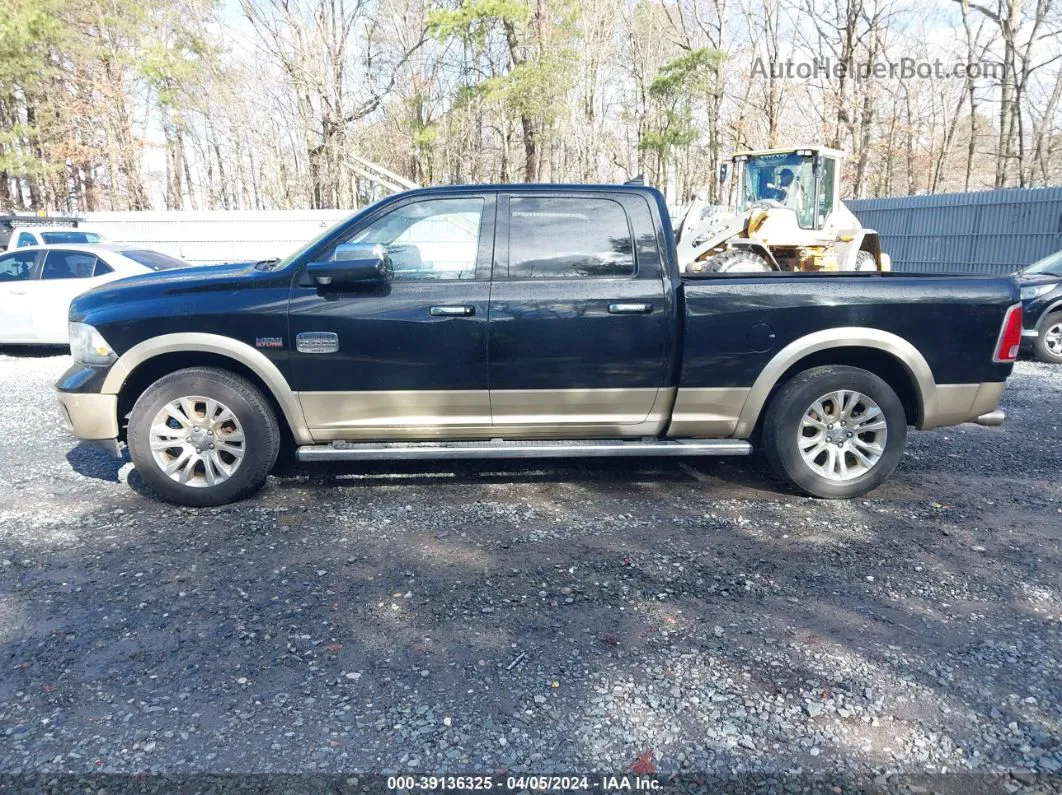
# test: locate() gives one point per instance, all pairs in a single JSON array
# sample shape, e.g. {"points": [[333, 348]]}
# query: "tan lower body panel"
{"points": [[478, 414], [349, 411], [715, 412], [706, 412], [956, 403], [572, 406]]}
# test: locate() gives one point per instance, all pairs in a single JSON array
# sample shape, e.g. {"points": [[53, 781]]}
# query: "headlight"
{"points": [[1035, 291], [88, 346]]}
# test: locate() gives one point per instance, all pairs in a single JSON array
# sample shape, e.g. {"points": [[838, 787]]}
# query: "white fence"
{"points": [[216, 236], [222, 235]]}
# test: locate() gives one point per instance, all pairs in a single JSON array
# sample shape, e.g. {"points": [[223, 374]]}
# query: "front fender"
{"points": [[198, 342]]}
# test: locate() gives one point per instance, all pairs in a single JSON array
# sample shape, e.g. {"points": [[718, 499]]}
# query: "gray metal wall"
{"points": [[992, 231]]}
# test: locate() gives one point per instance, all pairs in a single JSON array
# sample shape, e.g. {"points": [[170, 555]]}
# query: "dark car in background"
{"points": [[1041, 297]]}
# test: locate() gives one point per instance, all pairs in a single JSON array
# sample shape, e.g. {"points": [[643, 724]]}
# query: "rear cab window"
{"points": [[70, 236]]}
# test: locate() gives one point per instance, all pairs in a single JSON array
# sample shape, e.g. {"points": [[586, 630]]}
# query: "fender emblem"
{"points": [[317, 342], [269, 342]]}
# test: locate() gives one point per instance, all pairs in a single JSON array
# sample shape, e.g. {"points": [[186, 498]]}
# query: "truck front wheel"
{"points": [[835, 431], [203, 436]]}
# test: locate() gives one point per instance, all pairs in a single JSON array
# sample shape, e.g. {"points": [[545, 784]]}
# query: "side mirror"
{"points": [[353, 264], [724, 173]]}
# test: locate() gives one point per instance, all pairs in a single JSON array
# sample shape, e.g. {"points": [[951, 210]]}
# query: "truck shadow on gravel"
{"points": [[91, 462], [737, 475]]}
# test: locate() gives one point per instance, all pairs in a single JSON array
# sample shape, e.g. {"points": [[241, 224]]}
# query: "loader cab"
{"points": [[801, 180]]}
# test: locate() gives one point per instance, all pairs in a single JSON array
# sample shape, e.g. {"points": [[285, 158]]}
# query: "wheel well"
{"points": [[1051, 312], [885, 366], [871, 242], [156, 367]]}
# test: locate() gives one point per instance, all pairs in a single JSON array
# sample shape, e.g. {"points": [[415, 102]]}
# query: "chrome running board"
{"points": [[397, 451]]}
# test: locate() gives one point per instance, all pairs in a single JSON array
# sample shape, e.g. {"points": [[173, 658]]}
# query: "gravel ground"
{"points": [[546, 617]]}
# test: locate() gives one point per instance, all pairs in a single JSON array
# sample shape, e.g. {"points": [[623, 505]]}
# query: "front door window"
{"points": [[434, 239]]}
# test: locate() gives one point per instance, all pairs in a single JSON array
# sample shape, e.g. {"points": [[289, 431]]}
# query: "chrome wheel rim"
{"points": [[197, 441], [1053, 339], [842, 435]]}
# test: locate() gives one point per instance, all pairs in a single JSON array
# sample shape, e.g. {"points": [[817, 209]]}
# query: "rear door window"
{"points": [[68, 265], [568, 238]]}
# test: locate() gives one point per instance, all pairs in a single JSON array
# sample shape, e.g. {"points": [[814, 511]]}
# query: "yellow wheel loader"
{"points": [[787, 215]]}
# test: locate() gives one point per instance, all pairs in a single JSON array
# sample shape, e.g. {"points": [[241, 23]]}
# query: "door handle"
{"points": [[452, 311], [630, 309]]}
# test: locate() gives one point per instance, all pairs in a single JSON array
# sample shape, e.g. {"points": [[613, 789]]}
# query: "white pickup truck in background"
{"points": [[19, 231]]}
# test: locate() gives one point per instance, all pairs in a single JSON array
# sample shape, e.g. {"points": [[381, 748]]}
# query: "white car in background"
{"points": [[38, 283]]}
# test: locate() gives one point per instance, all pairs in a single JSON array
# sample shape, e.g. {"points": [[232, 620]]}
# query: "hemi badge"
{"points": [[269, 342], [317, 342]]}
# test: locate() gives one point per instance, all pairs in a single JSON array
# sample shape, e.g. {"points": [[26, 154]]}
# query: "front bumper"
{"points": [[89, 414], [91, 417]]}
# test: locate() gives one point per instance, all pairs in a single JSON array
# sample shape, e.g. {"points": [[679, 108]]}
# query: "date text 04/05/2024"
{"points": [[612, 783]]}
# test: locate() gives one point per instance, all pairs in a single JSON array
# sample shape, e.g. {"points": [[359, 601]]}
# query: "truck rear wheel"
{"points": [[203, 436], [737, 260], [835, 431]]}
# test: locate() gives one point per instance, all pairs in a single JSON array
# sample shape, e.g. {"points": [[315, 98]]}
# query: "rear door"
{"points": [[580, 326], [17, 273]]}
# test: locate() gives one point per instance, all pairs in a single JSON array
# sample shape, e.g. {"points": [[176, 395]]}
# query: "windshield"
{"points": [[69, 236], [1050, 265], [153, 259], [781, 180]]}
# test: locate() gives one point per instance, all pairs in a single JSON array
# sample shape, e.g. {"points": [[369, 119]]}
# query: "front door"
{"points": [[407, 360], [64, 275], [18, 271], [579, 318]]}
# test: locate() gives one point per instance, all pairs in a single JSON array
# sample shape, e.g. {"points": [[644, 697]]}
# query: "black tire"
{"points": [[737, 260], [865, 261], [255, 417], [786, 411], [1042, 347]]}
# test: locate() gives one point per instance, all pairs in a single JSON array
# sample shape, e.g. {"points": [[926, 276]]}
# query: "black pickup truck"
{"points": [[526, 321]]}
